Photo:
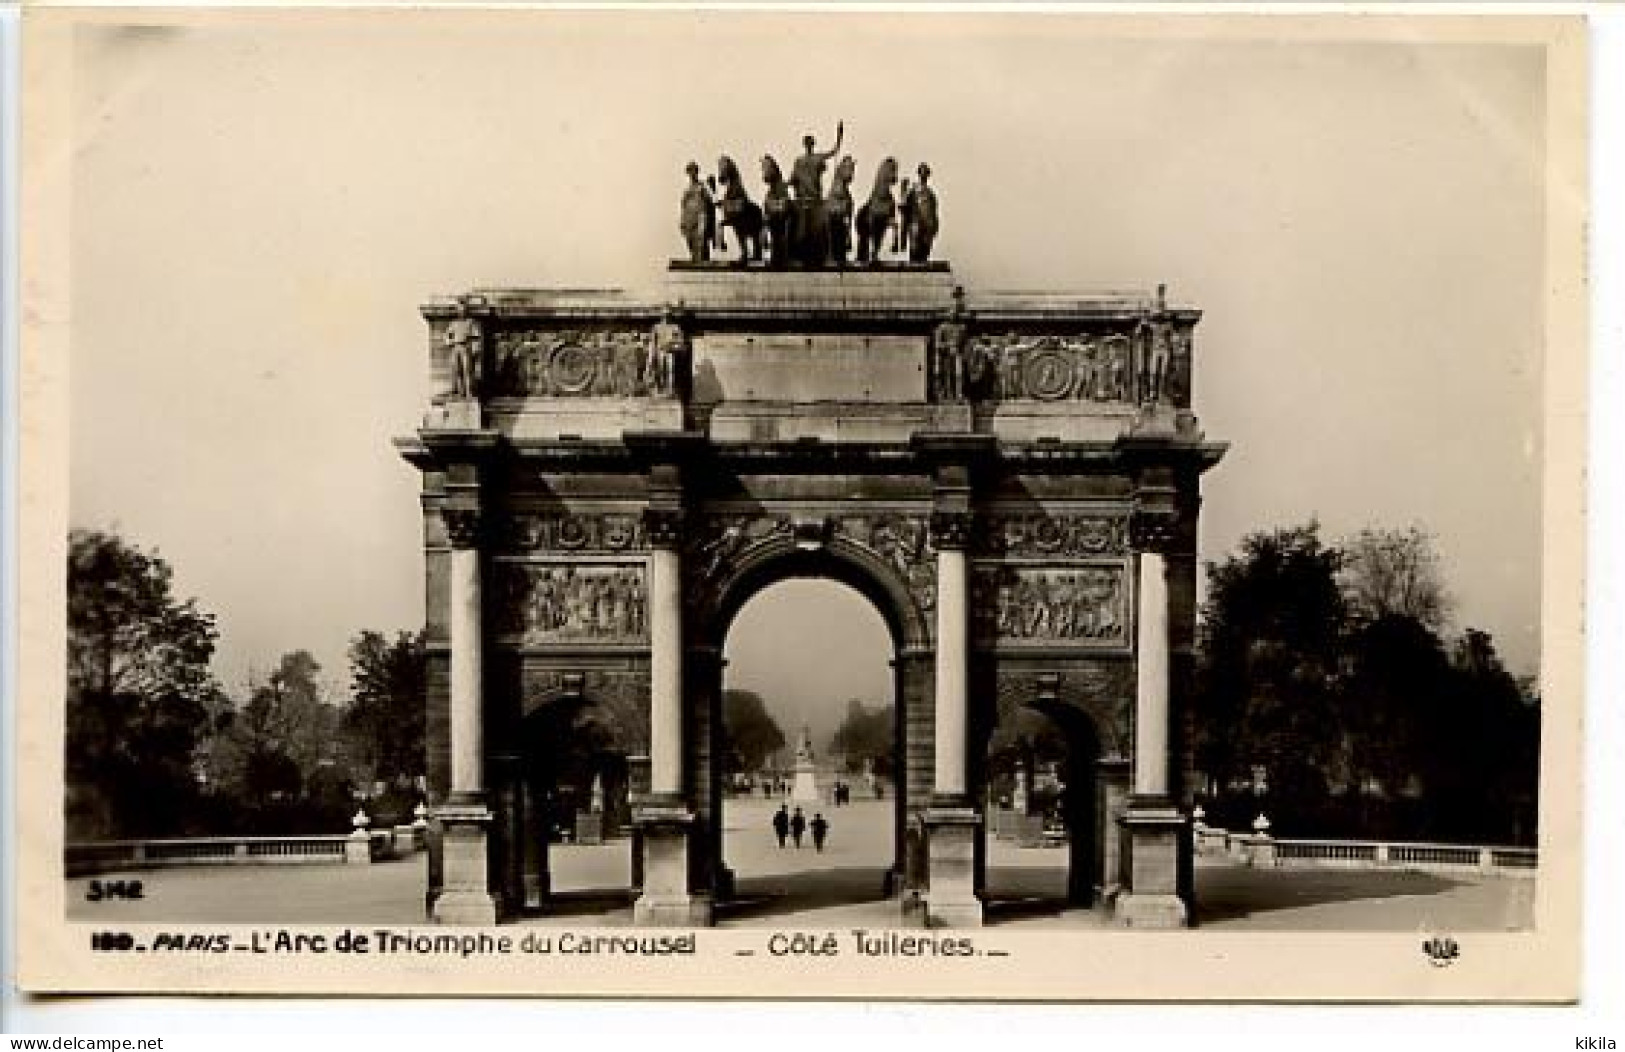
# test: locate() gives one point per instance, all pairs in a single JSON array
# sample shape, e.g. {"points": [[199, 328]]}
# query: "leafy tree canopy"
{"points": [[140, 691], [751, 736]]}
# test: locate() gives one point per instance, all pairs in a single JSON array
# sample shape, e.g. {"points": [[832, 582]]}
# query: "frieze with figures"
{"points": [[574, 364], [565, 532], [1051, 368], [1025, 605], [553, 602], [1049, 536]]}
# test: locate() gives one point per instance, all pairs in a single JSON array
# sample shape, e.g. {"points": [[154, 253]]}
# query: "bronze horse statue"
{"points": [[777, 213], [838, 210], [878, 213], [739, 211]]}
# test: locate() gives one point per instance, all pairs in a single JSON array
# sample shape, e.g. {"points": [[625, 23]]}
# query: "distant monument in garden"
{"points": [[804, 788]]}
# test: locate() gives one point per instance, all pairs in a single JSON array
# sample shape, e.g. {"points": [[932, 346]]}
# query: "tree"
{"points": [[1483, 743], [865, 738], [385, 719], [1272, 633], [139, 689], [1024, 741], [1394, 573], [750, 734], [286, 732], [1397, 675]]}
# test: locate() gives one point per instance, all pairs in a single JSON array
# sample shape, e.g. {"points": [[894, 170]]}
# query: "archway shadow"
{"points": [[1026, 893], [585, 902], [781, 893], [1231, 892]]}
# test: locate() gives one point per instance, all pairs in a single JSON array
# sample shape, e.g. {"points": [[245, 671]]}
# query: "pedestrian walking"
{"points": [[798, 826], [781, 824], [820, 829]]}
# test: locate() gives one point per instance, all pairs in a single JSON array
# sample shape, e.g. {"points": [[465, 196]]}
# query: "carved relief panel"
{"points": [[1023, 605], [1053, 368], [619, 700], [1102, 689], [579, 363], [898, 540], [542, 603], [904, 543]]}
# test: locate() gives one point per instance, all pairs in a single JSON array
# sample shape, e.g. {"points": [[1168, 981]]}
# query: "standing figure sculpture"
{"points": [[739, 211], [713, 233], [877, 214], [696, 216], [809, 238], [948, 349], [838, 211], [901, 237], [463, 339], [1156, 335], [667, 345], [927, 218], [776, 213]]}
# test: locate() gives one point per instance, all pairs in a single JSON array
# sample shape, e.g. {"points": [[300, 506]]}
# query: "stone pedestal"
{"points": [[1151, 900], [950, 899], [804, 789], [1113, 775], [358, 848], [465, 896], [668, 899]]}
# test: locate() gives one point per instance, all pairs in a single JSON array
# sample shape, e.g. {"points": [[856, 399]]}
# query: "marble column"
{"points": [[465, 897], [666, 822], [1151, 757], [665, 674], [952, 824], [953, 673], [1154, 826]]}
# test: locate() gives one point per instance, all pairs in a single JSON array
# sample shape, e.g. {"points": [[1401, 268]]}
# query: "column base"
{"points": [[1151, 899], [467, 908], [465, 896], [950, 894], [668, 899], [1150, 911]]}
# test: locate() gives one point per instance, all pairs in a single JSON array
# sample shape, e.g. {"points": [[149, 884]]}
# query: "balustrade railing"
{"points": [[1260, 849], [83, 859]]}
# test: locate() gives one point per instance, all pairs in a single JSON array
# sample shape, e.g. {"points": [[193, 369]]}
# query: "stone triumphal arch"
{"points": [[1012, 480]]}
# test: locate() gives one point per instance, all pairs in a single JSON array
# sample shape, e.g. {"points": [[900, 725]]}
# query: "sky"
{"points": [[259, 207]]}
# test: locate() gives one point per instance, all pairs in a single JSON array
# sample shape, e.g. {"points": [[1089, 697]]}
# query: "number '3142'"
{"points": [[106, 890]]}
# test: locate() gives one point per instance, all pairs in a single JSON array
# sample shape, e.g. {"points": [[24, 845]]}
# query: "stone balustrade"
{"points": [[103, 856], [1262, 850]]}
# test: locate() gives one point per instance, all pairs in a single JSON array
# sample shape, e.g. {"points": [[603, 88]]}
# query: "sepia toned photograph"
{"points": [[816, 503]]}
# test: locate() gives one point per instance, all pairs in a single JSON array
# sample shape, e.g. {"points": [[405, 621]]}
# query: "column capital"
{"points": [[1153, 531], [951, 530], [665, 526], [462, 526]]}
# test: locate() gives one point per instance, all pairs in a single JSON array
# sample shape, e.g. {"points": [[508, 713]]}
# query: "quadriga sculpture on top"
{"points": [[798, 223]]}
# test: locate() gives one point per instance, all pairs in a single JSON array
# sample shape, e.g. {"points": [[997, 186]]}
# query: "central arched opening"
{"points": [[809, 743]]}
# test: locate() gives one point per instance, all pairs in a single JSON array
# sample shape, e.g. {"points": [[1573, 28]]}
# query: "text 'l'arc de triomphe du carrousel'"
{"points": [[1012, 481]]}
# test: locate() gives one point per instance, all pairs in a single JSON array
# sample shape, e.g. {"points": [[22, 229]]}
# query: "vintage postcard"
{"points": [[815, 503]]}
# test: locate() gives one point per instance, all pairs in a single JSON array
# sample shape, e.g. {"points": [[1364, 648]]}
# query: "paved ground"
{"points": [[836, 888]]}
